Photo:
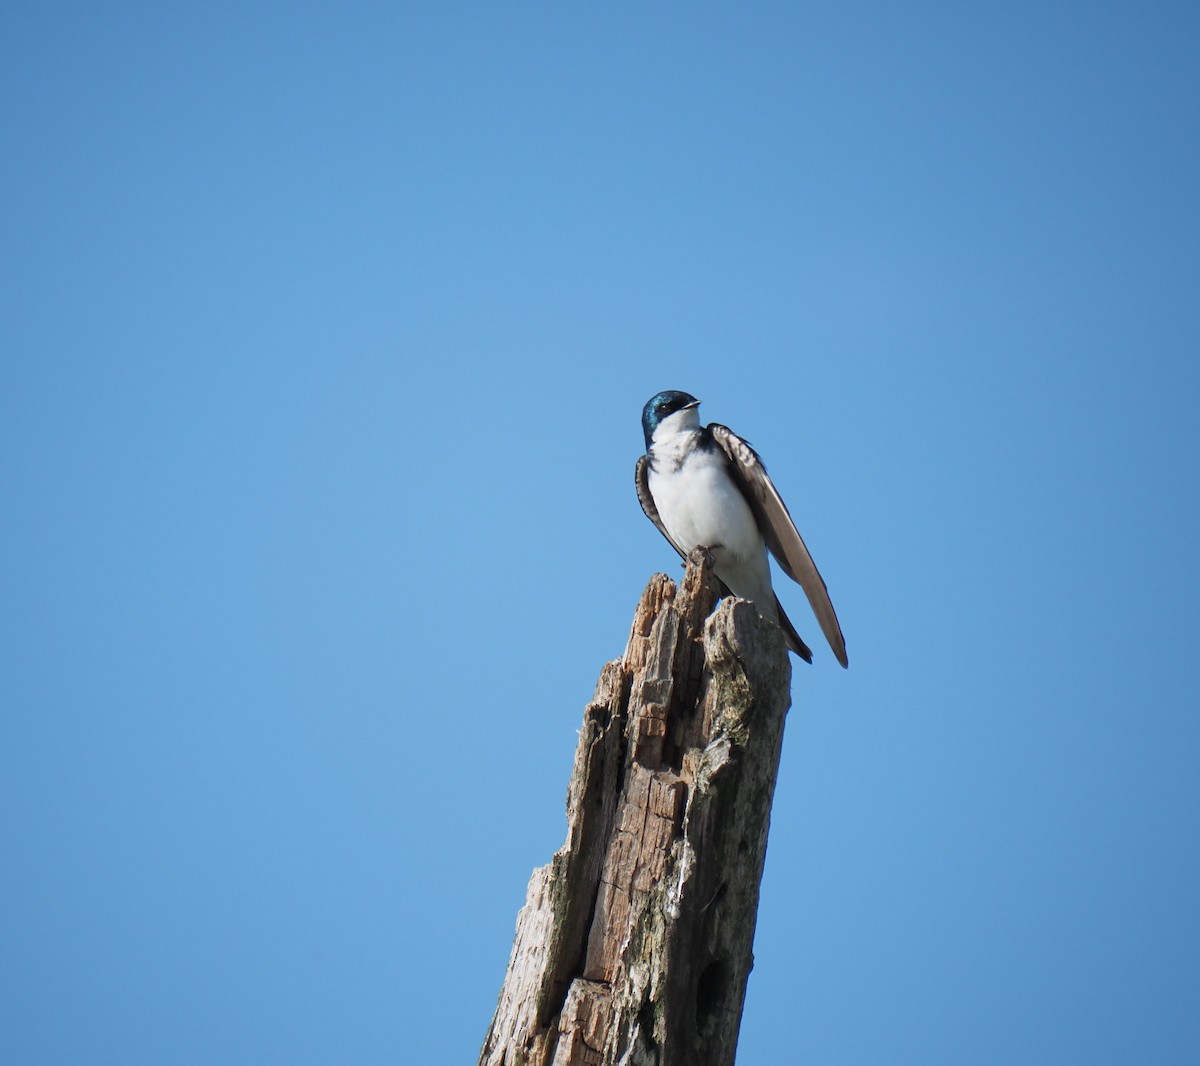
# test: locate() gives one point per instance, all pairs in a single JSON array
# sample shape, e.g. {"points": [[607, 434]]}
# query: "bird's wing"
{"points": [[641, 478], [779, 531]]}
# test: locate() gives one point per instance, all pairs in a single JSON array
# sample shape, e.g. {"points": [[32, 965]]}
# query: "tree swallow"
{"points": [[705, 486]]}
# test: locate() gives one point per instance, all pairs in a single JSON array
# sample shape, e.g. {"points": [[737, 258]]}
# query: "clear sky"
{"points": [[326, 331]]}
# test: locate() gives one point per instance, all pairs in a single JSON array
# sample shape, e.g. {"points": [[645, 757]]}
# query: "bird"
{"points": [[704, 486]]}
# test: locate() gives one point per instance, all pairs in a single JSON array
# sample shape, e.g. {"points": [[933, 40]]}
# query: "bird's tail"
{"points": [[791, 636]]}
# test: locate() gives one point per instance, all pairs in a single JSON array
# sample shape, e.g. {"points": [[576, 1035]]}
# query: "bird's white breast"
{"points": [[699, 503]]}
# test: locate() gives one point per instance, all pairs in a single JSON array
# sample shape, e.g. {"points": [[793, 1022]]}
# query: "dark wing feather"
{"points": [[641, 478], [779, 531]]}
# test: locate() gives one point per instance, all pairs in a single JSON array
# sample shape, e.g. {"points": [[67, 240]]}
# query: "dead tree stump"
{"points": [[634, 944]]}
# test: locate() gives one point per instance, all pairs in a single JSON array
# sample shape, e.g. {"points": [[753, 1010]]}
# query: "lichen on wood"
{"points": [[635, 942]]}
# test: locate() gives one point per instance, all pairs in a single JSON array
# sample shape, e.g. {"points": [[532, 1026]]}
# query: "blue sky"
{"points": [[326, 332]]}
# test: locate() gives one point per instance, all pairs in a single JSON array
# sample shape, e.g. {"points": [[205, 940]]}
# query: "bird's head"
{"points": [[672, 410]]}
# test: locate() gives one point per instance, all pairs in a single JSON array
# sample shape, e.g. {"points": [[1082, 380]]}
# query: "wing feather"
{"points": [[780, 532], [641, 478]]}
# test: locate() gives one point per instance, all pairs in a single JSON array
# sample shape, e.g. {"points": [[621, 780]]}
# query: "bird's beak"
{"points": [[694, 403]]}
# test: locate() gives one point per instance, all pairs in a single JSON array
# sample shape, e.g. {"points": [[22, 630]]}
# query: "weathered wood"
{"points": [[635, 942]]}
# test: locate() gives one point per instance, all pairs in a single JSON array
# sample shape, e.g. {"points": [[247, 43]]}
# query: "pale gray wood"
{"points": [[635, 942]]}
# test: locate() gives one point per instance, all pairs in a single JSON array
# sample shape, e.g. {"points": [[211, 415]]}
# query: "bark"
{"points": [[634, 944]]}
